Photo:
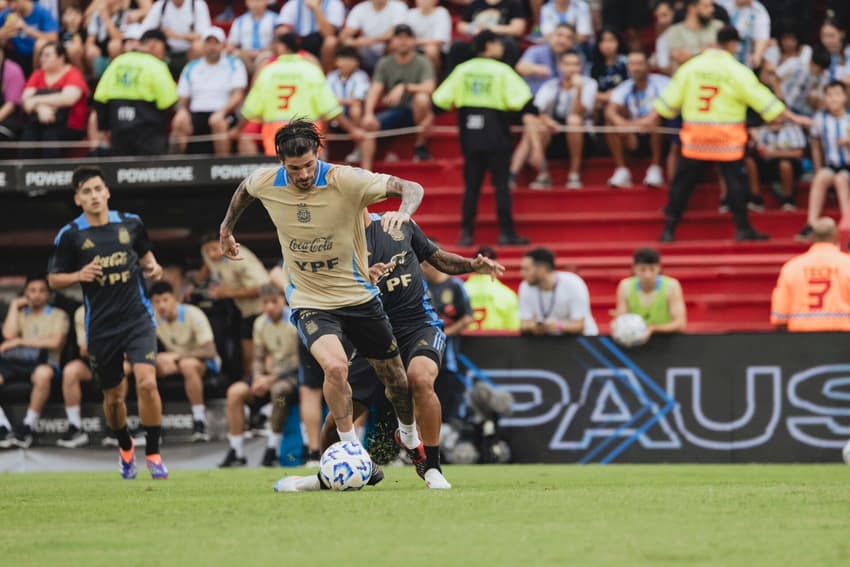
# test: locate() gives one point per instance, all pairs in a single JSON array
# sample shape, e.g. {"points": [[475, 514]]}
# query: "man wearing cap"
{"points": [[132, 98], [210, 90], [494, 305], [401, 86]]}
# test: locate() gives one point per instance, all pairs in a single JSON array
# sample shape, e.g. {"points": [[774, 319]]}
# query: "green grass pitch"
{"points": [[496, 515]]}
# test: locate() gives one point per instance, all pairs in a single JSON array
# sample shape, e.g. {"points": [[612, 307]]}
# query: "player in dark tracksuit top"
{"points": [[394, 260], [105, 252]]}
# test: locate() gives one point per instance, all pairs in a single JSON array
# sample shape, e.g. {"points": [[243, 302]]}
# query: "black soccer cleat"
{"points": [[23, 437], [416, 456], [7, 440], [73, 438], [199, 432], [377, 475], [231, 460], [270, 458]]}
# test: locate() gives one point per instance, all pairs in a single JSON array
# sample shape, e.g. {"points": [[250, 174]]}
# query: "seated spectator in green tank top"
{"points": [[656, 298]]}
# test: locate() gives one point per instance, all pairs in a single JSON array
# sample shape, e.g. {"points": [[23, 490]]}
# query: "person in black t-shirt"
{"points": [[503, 17], [105, 252], [395, 259]]}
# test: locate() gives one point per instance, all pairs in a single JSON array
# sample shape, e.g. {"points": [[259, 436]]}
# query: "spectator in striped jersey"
{"points": [[776, 158], [834, 39], [633, 99], [317, 23], [831, 156], [252, 33], [350, 84]]}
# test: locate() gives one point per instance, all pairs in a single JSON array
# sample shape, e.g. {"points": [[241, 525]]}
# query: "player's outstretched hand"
{"points": [[153, 271], [484, 265], [394, 220], [91, 271], [229, 246], [378, 271]]}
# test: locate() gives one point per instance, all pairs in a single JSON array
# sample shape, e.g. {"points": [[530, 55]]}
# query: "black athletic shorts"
{"points": [[769, 169], [366, 326], [201, 122], [17, 370], [426, 340], [246, 327], [309, 372], [836, 169], [106, 354]]}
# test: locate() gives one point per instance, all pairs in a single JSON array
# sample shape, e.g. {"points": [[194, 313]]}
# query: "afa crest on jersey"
{"points": [[303, 213], [123, 236]]}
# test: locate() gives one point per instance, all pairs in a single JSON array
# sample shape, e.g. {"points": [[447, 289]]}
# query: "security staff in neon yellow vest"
{"points": [[486, 92], [656, 298]]}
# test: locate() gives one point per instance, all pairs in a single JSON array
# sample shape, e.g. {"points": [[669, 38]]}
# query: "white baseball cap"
{"points": [[215, 32], [134, 31]]}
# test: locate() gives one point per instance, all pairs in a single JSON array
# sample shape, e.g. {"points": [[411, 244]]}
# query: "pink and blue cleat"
{"points": [[156, 467], [127, 462]]}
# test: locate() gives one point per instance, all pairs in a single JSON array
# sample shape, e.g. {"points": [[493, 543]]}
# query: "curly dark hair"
{"points": [[297, 138]]}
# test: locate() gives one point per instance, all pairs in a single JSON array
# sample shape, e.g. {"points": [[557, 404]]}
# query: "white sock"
{"points": [[361, 434], [409, 435], [237, 443], [74, 416], [266, 410], [199, 413], [4, 421], [31, 419], [273, 441], [347, 436], [310, 482]]}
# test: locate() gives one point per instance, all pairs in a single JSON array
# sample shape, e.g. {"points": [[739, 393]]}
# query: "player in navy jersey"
{"points": [[394, 259], [108, 253]]}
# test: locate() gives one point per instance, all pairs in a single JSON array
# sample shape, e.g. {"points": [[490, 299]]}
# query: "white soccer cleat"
{"points": [[574, 181], [654, 176], [622, 178], [298, 484], [435, 480], [314, 464]]}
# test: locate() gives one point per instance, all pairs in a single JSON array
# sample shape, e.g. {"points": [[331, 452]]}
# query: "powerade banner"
{"points": [[725, 398], [40, 176]]}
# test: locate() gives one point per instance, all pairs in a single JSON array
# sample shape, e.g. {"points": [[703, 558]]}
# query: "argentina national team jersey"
{"points": [[830, 130], [639, 103], [403, 290], [115, 301]]}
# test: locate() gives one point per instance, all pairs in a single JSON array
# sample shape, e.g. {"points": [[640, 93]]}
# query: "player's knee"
{"points": [[422, 102], [336, 372], [42, 376], [71, 373], [189, 366], [146, 385], [573, 120], [237, 392]]}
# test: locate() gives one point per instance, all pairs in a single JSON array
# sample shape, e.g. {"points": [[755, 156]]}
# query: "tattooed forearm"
{"points": [[410, 192], [240, 201], [449, 263]]}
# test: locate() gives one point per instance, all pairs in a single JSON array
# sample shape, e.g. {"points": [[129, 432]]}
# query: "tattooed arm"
{"points": [[453, 264], [411, 197], [240, 201]]}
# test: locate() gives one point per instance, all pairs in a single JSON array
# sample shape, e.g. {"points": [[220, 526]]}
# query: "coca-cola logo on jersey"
{"points": [[318, 244]]}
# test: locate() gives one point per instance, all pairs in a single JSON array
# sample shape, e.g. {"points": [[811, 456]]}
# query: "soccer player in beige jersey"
{"points": [[318, 208]]}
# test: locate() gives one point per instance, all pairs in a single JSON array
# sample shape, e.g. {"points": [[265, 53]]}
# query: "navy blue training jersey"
{"points": [[451, 303], [403, 290], [116, 300]]}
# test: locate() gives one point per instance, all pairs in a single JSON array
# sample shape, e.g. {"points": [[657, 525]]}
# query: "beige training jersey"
{"points": [[321, 232], [80, 326], [279, 341], [188, 332], [241, 274], [50, 321]]}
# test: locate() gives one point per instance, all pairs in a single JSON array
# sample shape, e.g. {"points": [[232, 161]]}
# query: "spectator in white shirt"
{"points": [[432, 25], [105, 33], [182, 22], [752, 21], [630, 100], [350, 85], [567, 100], [791, 61], [573, 12], [551, 302], [210, 89], [369, 27], [317, 23], [252, 33]]}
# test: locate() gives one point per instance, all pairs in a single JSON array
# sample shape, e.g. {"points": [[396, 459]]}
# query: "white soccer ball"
{"points": [[629, 330], [345, 466], [845, 452]]}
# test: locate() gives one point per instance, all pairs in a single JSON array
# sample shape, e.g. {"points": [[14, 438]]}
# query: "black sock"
{"points": [[152, 436], [314, 455], [123, 437], [432, 458]]}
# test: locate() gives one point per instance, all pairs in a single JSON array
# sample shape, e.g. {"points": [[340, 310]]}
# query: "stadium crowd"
{"points": [[122, 74]]}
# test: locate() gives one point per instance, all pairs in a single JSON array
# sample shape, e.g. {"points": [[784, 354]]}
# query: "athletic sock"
{"points": [[432, 458], [199, 413], [361, 434], [4, 421], [266, 410], [409, 435], [274, 440], [237, 443], [348, 436], [152, 439], [31, 419], [314, 455], [73, 413], [123, 437]]}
